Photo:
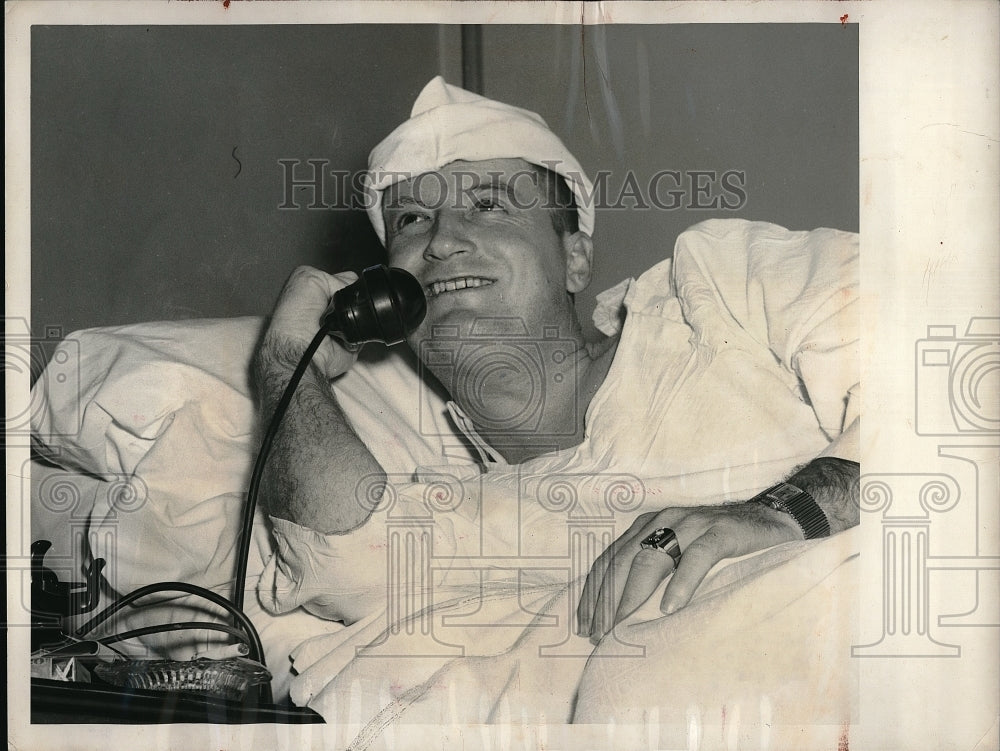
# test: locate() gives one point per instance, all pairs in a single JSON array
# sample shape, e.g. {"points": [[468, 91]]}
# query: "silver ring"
{"points": [[664, 540]]}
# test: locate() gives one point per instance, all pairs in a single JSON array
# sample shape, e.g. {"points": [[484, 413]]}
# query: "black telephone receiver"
{"points": [[383, 305]]}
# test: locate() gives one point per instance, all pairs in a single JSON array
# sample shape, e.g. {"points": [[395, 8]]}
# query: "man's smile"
{"points": [[456, 283]]}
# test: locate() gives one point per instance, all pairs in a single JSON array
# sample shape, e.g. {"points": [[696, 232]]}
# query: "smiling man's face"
{"points": [[480, 238]]}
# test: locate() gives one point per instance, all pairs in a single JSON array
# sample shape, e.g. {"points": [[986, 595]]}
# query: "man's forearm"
{"points": [[833, 484], [833, 479], [317, 467]]}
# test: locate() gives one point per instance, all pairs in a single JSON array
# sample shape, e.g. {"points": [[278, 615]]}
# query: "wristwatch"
{"points": [[801, 506]]}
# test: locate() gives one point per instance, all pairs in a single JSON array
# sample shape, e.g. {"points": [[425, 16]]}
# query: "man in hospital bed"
{"points": [[726, 374]]}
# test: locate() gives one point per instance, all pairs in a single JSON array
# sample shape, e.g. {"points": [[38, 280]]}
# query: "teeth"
{"points": [[465, 282]]}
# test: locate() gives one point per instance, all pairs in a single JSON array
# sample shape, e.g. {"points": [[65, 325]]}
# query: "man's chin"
{"points": [[461, 322], [453, 321]]}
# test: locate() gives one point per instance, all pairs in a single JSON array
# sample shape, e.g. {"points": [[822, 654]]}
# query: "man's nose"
{"points": [[448, 238]]}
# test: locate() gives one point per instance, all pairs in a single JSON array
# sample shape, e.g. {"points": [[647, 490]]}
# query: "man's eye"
{"points": [[404, 220], [487, 203]]}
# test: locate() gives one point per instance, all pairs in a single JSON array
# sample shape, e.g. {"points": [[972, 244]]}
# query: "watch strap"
{"points": [[798, 504]]}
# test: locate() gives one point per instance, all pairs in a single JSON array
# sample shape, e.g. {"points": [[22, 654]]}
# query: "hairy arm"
{"points": [[833, 484], [317, 462]]}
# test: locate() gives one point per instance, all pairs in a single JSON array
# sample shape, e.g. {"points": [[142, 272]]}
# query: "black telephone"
{"points": [[383, 305]]}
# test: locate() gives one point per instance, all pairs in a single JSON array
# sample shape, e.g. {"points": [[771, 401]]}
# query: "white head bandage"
{"points": [[449, 124]]}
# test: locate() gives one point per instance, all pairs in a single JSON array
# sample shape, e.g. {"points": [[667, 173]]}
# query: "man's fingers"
{"points": [[649, 569], [308, 292], [595, 578], [592, 588], [585, 609], [346, 277], [625, 576], [615, 578], [327, 284], [696, 561], [297, 317], [607, 598]]}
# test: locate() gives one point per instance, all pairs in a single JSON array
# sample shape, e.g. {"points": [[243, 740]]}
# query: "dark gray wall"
{"points": [[141, 212], [778, 102]]}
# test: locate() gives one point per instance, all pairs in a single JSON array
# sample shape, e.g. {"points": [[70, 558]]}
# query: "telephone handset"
{"points": [[383, 305]]}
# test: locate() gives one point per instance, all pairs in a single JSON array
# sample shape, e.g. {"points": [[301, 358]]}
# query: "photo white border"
{"points": [[930, 212]]}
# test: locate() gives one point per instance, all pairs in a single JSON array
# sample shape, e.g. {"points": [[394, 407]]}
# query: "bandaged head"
{"points": [[449, 124]]}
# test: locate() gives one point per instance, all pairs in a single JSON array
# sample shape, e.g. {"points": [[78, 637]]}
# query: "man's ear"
{"points": [[579, 249]]}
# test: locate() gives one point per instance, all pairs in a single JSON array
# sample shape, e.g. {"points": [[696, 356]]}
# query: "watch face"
{"points": [[775, 504], [783, 493]]}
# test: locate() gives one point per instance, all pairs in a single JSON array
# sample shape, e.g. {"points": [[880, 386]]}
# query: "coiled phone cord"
{"points": [[250, 507], [182, 626]]}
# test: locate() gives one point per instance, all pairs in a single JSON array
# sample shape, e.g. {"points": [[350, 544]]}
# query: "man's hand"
{"points": [[625, 575], [296, 319]]}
